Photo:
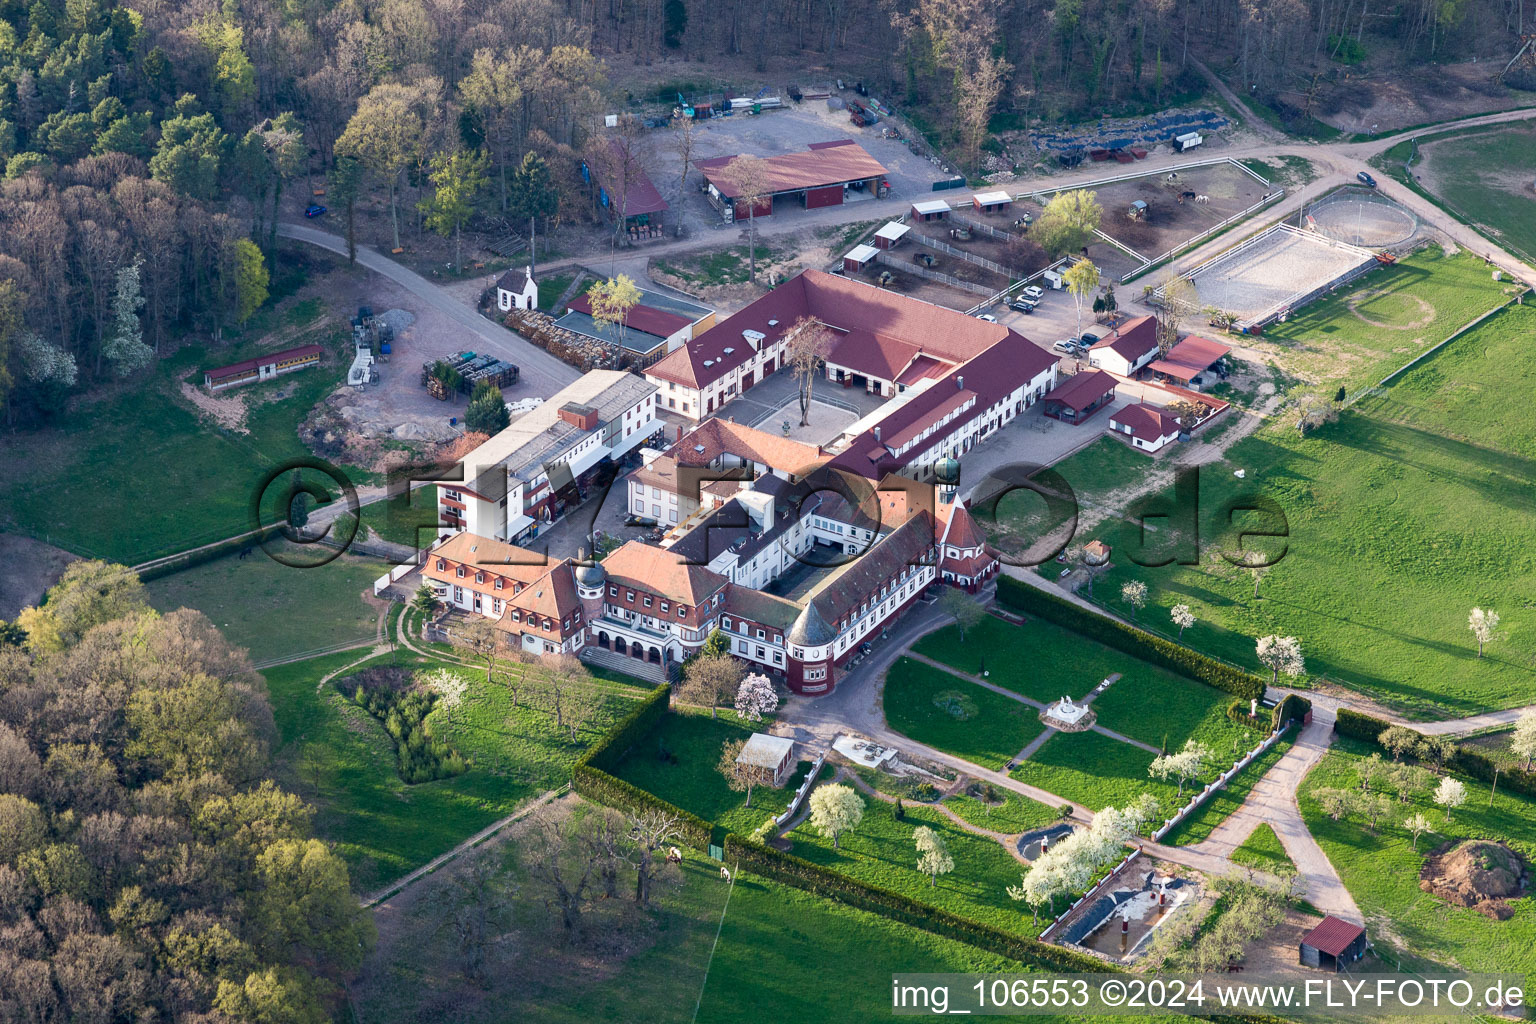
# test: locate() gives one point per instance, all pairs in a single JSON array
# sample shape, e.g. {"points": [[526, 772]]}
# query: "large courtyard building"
{"points": [[544, 460]]}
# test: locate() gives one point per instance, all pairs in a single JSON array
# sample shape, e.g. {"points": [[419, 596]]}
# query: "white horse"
{"points": [[1202, 199], [725, 873]]}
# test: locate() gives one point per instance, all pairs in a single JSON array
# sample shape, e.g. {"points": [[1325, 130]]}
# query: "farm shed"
{"points": [[768, 757], [262, 367], [1080, 396], [1146, 427], [624, 189], [933, 209], [859, 257], [817, 177], [654, 326], [890, 234], [992, 202], [1187, 360], [1333, 945]]}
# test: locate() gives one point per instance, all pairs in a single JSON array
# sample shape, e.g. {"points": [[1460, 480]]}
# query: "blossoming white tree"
{"points": [[1183, 766], [756, 697], [1068, 866], [933, 857], [1482, 622], [835, 810], [1134, 593], [1182, 617], [1281, 654], [1417, 825], [1451, 795], [1523, 742]]}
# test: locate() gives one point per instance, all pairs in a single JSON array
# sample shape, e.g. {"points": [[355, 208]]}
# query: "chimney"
{"points": [[877, 433], [960, 382]]}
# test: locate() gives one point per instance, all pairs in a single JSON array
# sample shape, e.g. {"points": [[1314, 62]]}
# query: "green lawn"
{"points": [[1091, 769], [880, 851], [1382, 871], [272, 609], [1358, 336], [550, 290], [1224, 801], [1015, 814], [1044, 661], [401, 520], [174, 480], [989, 730], [1484, 176], [1262, 850], [1401, 516], [340, 759], [693, 783]]}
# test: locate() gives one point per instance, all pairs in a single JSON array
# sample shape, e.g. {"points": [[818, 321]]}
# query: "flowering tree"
{"points": [[1184, 765], [1451, 795], [1068, 866], [1523, 742], [933, 858], [835, 810], [1482, 622], [1134, 593], [1182, 617], [756, 697], [1281, 654], [1417, 825]]}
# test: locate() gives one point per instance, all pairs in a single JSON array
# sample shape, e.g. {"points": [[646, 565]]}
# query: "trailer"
{"points": [[1189, 140]]}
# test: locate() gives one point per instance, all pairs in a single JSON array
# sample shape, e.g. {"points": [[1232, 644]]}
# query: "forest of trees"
{"points": [[149, 868], [163, 135]]}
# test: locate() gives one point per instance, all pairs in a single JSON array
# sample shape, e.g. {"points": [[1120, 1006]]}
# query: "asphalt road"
{"points": [[541, 371]]}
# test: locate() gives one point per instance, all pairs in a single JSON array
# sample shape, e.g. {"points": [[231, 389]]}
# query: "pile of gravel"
{"points": [[397, 319]]}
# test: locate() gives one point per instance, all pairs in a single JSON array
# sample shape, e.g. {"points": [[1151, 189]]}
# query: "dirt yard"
{"points": [[1390, 99], [33, 567], [1170, 222]]}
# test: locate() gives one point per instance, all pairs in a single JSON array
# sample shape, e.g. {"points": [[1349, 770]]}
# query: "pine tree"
{"points": [[487, 410]]}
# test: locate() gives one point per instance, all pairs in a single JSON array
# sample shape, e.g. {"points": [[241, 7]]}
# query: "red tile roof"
{"points": [[823, 164], [245, 366], [721, 437], [962, 530], [1081, 390], [647, 319], [1133, 339], [1146, 422], [1333, 935], [877, 355], [1189, 358], [922, 367], [642, 194], [659, 571]]}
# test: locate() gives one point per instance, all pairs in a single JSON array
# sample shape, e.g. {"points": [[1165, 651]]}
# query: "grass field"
{"points": [[692, 783], [272, 609], [174, 479], [1199, 825], [1356, 337], [721, 266], [991, 732], [1015, 814], [1485, 176], [341, 760], [1382, 871], [1091, 769], [1402, 516], [1262, 850], [880, 851]]}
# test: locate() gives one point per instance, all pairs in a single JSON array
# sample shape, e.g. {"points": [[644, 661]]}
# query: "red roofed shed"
{"points": [[1333, 945], [1080, 396]]}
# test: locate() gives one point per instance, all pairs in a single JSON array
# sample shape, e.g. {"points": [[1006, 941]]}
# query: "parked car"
{"points": [[988, 317], [634, 520], [1022, 305], [1366, 180], [1065, 346], [313, 210], [1089, 339], [1033, 292]]}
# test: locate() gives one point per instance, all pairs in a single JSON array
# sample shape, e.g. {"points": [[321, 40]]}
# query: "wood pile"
{"points": [[578, 350]]}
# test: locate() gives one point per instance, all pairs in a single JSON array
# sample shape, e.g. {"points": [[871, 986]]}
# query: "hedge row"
{"points": [[600, 787], [1127, 638], [1466, 760], [629, 730], [1237, 712], [820, 881], [1292, 709], [198, 556]]}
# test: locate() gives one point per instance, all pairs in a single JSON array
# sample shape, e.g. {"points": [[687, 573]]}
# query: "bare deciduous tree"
{"points": [[711, 679], [748, 175], [805, 353]]}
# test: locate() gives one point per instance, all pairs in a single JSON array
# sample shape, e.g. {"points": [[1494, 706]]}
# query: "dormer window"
{"points": [[479, 577], [442, 566], [459, 572], [499, 582], [682, 612]]}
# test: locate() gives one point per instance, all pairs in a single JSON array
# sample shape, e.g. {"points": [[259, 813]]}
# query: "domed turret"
{"points": [[591, 576], [947, 471]]}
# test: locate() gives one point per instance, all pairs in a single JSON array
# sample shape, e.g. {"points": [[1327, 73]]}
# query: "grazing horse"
{"points": [[1202, 199]]}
